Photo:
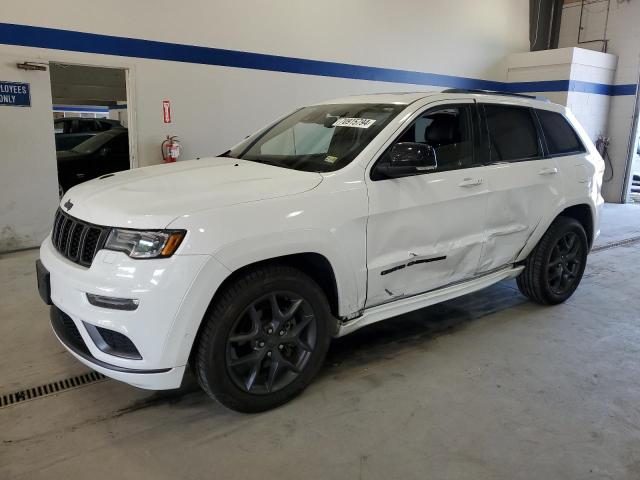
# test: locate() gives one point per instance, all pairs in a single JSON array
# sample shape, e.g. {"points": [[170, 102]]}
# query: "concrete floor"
{"points": [[488, 386]]}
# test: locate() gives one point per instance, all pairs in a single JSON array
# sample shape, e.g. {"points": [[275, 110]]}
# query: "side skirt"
{"points": [[415, 302]]}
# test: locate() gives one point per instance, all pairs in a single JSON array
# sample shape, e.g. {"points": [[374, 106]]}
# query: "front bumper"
{"points": [[173, 294], [69, 335]]}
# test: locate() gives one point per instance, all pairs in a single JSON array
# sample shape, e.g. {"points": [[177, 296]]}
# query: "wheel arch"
{"points": [[315, 265], [583, 213]]}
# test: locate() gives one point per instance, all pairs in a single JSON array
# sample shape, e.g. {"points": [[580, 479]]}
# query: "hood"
{"points": [[151, 197]]}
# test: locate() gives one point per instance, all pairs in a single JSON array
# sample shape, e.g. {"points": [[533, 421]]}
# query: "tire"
{"points": [[554, 268], [243, 359]]}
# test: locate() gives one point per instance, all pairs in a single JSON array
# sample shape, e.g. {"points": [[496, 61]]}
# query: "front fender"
{"points": [[244, 252], [331, 223]]}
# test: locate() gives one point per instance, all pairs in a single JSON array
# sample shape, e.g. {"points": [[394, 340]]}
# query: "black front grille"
{"points": [[77, 240]]}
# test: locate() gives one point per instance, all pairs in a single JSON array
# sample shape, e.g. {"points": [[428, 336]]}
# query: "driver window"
{"points": [[448, 130]]}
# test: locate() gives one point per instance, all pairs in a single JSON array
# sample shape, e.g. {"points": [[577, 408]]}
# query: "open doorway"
{"points": [[631, 191], [89, 122], [634, 183]]}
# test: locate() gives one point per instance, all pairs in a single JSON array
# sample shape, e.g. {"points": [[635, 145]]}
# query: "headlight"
{"points": [[140, 244]]}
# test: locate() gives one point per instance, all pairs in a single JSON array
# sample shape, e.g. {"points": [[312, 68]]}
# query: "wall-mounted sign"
{"points": [[166, 111], [15, 94]]}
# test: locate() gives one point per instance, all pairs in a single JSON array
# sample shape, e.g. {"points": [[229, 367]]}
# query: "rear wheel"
{"points": [[554, 268], [264, 339]]}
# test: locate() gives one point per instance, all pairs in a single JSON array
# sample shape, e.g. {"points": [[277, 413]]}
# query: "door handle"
{"points": [[548, 171], [470, 182]]}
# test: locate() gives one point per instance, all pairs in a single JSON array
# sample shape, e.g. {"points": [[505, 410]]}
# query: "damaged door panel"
{"points": [[518, 200], [411, 246], [426, 230], [524, 185]]}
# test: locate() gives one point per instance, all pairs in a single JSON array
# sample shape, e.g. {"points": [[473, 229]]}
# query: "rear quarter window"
{"points": [[560, 136]]}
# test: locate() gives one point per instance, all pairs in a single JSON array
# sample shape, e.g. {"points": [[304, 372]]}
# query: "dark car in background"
{"points": [[105, 152], [72, 131]]}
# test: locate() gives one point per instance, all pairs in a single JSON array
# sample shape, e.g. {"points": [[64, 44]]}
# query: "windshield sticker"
{"points": [[354, 122], [331, 159]]}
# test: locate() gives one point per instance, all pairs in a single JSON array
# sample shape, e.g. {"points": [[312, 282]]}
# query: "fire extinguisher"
{"points": [[170, 149]]}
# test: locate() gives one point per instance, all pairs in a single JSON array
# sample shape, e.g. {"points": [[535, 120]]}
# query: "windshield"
{"points": [[95, 142], [322, 138]]}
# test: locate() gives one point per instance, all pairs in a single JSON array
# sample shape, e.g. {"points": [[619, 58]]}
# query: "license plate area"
{"points": [[44, 282]]}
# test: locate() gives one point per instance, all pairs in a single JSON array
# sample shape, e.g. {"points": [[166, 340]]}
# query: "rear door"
{"points": [[524, 183], [426, 231], [563, 143]]}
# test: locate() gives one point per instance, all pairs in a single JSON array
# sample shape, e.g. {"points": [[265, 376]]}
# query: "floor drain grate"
{"points": [[50, 388], [620, 243]]}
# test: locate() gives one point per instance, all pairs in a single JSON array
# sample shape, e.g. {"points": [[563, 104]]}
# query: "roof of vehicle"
{"points": [[400, 98], [406, 98]]}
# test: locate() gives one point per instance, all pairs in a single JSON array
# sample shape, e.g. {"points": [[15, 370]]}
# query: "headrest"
{"points": [[443, 130]]}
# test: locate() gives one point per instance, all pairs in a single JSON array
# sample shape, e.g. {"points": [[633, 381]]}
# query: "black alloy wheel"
{"points": [[565, 263], [554, 268], [271, 342], [263, 339]]}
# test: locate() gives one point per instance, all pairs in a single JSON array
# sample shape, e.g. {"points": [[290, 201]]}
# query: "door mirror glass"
{"points": [[409, 158]]}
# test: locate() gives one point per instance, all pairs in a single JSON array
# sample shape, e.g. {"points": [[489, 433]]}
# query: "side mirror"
{"points": [[408, 158]]}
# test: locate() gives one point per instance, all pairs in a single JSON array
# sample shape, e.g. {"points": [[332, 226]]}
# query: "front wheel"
{"points": [[554, 268], [264, 339]]}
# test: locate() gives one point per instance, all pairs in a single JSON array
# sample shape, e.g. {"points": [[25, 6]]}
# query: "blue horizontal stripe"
{"points": [[629, 89], [118, 107], [30, 36], [58, 108], [570, 86], [539, 86]]}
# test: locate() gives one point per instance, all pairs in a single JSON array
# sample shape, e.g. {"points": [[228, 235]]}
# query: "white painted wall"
{"points": [[28, 185], [623, 35], [215, 107], [569, 64]]}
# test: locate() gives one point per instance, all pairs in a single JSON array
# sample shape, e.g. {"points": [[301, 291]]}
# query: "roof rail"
{"points": [[494, 92]]}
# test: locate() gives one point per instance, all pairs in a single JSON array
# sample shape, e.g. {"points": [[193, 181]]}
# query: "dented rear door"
{"points": [[524, 185]]}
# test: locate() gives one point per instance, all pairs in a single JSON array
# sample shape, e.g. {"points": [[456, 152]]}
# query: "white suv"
{"points": [[339, 215]]}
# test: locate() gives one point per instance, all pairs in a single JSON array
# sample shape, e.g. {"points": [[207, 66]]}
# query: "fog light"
{"points": [[113, 302]]}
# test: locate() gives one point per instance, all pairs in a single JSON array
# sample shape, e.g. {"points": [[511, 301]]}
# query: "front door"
{"points": [[426, 231]]}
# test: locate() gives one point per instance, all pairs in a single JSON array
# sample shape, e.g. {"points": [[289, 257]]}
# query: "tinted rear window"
{"points": [[560, 136], [512, 133]]}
